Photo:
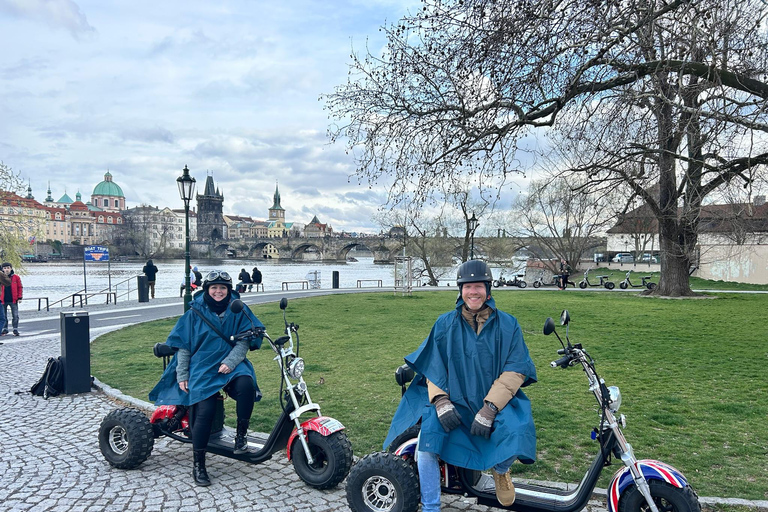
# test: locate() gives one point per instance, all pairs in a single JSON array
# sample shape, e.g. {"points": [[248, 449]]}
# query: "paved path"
{"points": [[50, 459]]}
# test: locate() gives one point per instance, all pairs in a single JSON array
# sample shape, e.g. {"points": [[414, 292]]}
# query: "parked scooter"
{"points": [[388, 481], [646, 283], [555, 281], [318, 447], [604, 282], [515, 281]]}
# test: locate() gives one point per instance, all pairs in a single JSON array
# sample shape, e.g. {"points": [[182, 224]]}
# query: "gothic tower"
{"points": [[210, 218], [277, 213]]}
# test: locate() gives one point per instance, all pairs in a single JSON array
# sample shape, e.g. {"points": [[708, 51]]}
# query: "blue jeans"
{"points": [[429, 478], [14, 315], [2, 316]]}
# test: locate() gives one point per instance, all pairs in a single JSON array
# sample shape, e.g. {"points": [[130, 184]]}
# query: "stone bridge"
{"points": [[328, 249]]}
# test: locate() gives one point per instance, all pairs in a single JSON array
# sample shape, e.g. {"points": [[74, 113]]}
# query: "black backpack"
{"points": [[51, 383]]}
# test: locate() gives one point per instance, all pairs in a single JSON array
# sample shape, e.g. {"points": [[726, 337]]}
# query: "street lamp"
{"points": [[473, 223], [186, 185]]}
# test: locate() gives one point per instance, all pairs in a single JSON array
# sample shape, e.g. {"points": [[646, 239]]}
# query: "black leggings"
{"points": [[241, 389]]}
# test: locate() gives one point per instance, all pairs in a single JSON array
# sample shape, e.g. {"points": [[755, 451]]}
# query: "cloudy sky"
{"points": [[144, 88]]}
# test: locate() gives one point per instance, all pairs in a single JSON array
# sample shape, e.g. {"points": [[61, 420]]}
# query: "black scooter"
{"points": [[646, 283], [318, 447], [604, 282], [388, 481]]}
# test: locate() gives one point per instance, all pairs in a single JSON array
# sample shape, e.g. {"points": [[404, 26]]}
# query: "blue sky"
{"points": [[144, 88]]}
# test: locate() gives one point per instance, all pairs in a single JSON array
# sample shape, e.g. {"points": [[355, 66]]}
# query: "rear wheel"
{"points": [[651, 286], [383, 482], [623, 285], [332, 459], [667, 498], [411, 432], [610, 285], [496, 283], [126, 438], [522, 284]]}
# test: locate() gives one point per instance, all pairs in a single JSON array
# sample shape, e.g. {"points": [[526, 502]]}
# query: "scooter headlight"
{"points": [[614, 398], [296, 368]]}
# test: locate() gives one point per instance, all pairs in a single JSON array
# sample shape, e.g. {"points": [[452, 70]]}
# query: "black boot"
{"points": [[241, 443], [198, 470]]}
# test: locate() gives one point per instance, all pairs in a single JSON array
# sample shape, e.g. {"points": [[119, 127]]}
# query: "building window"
{"points": [[101, 218], [117, 203], [109, 220]]}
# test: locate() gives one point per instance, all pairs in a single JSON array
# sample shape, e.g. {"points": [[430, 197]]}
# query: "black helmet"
{"points": [[217, 277], [473, 271]]}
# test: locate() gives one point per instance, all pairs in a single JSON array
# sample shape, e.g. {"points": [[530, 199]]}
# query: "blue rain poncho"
{"points": [[208, 350], [465, 365]]}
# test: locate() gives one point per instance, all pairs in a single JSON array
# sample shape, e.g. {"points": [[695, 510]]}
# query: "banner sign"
{"points": [[96, 253]]}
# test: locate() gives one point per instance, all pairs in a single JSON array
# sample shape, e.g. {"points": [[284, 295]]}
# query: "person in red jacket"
{"points": [[11, 296]]}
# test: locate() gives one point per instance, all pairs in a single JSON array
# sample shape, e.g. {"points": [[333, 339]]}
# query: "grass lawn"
{"points": [[691, 372]]}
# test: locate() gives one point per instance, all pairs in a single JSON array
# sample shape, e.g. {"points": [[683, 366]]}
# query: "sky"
{"points": [[228, 88]]}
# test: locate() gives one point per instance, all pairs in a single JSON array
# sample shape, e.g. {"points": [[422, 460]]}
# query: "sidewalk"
{"points": [[50, 459]]}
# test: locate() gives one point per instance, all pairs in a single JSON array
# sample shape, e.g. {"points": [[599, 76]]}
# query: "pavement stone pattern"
{"points": [[50, 458]]}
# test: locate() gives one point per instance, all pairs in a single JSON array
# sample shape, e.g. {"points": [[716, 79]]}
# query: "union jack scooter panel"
{"points": [[651, 470], [323, 425]]}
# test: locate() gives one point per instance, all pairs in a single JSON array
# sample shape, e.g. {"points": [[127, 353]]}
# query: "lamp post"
{"points": [[186, 185], [473, 223]]}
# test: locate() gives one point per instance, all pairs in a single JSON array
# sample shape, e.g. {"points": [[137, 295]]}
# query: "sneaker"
{"points": [[505, 489], [5, 331], [15, 332]]}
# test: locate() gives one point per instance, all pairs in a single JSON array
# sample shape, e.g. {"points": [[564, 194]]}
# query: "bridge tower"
{"points": [[210, 217]]}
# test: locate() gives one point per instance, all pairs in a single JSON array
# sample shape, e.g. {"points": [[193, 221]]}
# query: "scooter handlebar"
{"points": [[563, 362]]}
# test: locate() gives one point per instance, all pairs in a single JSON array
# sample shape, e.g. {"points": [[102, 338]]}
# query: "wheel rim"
{"points": [[118, 440], [379, 494]]}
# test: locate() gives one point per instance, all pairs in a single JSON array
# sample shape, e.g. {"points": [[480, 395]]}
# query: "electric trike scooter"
{"points": [[388, 481], [626, 283], [517, 280], [604, 282], [318, 447]]}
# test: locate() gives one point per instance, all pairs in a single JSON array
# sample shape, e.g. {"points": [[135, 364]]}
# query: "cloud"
{"points": [[58, 14]]}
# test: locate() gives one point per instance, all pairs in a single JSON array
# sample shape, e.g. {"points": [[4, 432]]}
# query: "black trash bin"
{"points": [[335, 278], [76, 352], [143, 287]]}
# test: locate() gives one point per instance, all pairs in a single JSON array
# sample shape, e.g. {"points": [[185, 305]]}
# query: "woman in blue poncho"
{"points": [[467, 394], [206, 363]]}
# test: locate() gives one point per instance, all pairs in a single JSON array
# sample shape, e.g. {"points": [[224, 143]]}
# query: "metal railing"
{"points": [[114, 291]]}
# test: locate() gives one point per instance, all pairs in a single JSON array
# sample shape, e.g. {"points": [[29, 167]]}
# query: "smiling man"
{"points": [[467, 395]]}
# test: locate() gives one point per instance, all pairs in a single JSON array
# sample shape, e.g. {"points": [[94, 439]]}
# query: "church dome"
{"points": [[108, 187]]}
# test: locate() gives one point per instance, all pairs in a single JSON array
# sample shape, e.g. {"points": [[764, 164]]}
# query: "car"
{"points": [[646, 258], [623, 257]]}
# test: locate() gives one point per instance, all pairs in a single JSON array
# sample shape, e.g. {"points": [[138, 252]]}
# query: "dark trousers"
{"points": [[241, 389]]}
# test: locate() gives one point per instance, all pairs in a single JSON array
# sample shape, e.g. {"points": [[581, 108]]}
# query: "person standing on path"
{"points": [[150, 270], [4, 281], [11, 295]]}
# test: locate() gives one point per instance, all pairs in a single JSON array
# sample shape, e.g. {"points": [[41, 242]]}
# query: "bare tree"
{"points": [[670, 94], [15, 224]]}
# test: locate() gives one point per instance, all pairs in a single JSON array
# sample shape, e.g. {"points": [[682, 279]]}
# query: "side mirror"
{"points": [[549, 326], [236, 306], [565, 318], [283, 303]]}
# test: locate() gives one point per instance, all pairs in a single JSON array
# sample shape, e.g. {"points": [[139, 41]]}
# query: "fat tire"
{"points": [[126, 438], [623, 285], [667, 497], [536, 284], [496, 283], [522, 284], [384, 481], [332, 459], [583, 285], [610, 285], [411, 432], [651, 286]]}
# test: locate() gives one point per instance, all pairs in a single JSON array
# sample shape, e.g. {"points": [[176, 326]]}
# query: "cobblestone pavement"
{"points": [[50, 458]]}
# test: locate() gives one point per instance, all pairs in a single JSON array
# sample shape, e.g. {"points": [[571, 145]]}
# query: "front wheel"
{"points": [[610, 285], [522, 284], [126, 438], [536, 284], [667, 498], [582, 285], [496, 283], [651, 286], [623, 285], [332, 459], [383, 482]]}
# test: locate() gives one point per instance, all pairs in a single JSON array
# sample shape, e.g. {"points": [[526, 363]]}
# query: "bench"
{"points": [[361, 281], [81, 296], [247, 285], [304, 284], [40, 302]]}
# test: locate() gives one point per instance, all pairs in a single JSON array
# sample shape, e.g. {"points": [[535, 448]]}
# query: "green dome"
{"points": [[108, 187]]}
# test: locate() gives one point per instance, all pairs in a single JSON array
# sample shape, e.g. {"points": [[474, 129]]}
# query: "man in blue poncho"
{"points": [[467, 395], [205, 363]]}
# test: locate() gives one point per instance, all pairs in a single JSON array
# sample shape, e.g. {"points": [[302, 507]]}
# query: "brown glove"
{"points": [[484, 421], [446, 413]]}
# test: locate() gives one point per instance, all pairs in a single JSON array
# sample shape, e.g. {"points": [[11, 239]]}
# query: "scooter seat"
{"points": [[404, 374], [163, 350]]}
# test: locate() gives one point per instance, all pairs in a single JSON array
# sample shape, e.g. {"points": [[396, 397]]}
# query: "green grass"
{"points": [[692, 374]]}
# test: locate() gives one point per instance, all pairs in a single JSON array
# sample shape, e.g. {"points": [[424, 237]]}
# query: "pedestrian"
{"points": [[245, 279], [467, 391], [4, 281], [565, 273], [150, 270], [192, 283], [206, 362], [198, 276], [256, 278], [11, 295]]}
